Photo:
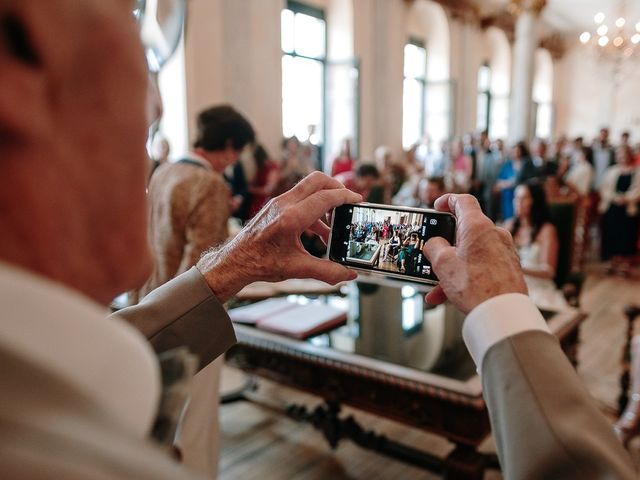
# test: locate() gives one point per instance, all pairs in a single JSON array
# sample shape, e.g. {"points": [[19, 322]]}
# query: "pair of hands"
{"points": [[268, 248], [483, 263]]}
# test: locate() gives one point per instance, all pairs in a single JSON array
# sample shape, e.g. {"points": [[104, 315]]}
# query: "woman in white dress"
{"points": [[536, 240]]}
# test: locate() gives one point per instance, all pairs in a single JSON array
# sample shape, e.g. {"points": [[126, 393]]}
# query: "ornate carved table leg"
{"points": [[631, 313], [464, 463]]}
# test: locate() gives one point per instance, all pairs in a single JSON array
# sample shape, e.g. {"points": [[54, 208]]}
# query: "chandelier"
{"points": [[613, 40]]}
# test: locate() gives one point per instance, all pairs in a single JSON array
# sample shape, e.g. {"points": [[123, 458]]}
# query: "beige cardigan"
{"points": [[188, 214], [608, 190]]}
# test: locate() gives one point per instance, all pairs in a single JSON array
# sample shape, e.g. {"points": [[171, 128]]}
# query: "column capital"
{"points": [[534, 6], [555, 44]]}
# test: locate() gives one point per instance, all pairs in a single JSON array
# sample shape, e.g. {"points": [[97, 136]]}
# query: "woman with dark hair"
{"points": [[265, 182], [536, 240], [619, 199], [292, 168]]}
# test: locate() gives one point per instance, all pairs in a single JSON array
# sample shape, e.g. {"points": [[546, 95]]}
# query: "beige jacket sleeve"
{"points": [[184, 311], [544, 421]]}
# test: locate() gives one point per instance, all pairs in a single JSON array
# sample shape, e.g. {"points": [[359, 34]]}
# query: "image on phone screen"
{"points": [[388, 240]]}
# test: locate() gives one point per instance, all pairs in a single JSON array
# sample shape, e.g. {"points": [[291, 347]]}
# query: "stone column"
{"points": [[379, 36], [233, 55], [526, 42]]}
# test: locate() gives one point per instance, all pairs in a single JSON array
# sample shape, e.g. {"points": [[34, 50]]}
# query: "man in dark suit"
{"points": [[604, 156]]}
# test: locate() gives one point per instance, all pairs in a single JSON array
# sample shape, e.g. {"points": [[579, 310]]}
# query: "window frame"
{"points": [[302, 8], [417, 42], [486, 92]]}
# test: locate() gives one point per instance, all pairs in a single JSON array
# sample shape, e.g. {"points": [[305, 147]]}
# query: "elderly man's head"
{"points": [[73, 126]]}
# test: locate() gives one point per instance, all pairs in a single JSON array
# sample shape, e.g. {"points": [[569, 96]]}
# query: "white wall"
{"points": [[428, 22], [379, 40], [233, 56], [467, 54], [587, 96], [173, 90]]}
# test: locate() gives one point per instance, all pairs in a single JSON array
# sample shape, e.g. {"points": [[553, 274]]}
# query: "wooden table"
{"points": [[341, 367]]}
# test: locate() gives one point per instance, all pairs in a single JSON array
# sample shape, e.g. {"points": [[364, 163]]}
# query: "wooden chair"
{"points": [[628, 425], [568, 215]]}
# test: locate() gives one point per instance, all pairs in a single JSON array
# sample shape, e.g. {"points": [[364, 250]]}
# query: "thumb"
{"points": [[435, 248]]}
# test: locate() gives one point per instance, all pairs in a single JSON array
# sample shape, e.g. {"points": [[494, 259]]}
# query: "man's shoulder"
{"points": [[179, 175]]}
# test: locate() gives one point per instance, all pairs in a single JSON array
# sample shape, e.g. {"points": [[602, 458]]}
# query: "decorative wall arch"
{"points": [[429, 22], [499, 57]]}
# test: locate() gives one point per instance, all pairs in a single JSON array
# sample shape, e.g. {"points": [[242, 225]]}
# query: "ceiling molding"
{"points": [[519, 6], [504, 20], [556, 45], [464, 10]]}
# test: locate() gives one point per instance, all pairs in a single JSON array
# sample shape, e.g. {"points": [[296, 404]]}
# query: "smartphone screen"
{"points": [[387, 239]]}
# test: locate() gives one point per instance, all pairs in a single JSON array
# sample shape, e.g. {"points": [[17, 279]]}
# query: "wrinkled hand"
{"points": [[482, 264], [269, 247]]}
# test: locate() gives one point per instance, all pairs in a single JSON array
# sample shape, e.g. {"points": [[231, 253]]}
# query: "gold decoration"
{"points": [[555, 44], [516, 7]]}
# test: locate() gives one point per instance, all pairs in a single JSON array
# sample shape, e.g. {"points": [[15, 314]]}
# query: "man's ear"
{"points": [[22, 79], [16, 40]]}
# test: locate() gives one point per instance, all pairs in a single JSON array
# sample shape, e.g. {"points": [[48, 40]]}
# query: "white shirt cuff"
{"points": [[497, 319]]}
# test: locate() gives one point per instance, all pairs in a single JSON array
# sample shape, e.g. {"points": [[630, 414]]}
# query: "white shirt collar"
{"points": [[69, 335], [194, 157]]}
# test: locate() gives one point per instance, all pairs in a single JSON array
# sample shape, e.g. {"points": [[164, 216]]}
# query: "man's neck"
{"points": [[214, 159]]}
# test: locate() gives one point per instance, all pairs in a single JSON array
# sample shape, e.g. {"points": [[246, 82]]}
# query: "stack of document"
{"points": [[288, 318]]}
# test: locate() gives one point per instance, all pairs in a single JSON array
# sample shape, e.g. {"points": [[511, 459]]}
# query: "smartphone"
{"points": [[388, 240]]}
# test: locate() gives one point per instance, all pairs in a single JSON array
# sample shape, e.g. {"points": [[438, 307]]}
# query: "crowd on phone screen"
{"points": [[398, 241], [601, 172]]}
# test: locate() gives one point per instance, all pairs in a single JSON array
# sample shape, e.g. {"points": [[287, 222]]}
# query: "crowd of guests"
{"points": [[229, 174], [514, 186], [602, 173], [399, 243], [88, 397]]}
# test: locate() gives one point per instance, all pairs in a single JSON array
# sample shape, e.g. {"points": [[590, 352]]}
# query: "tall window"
{"points": [[439, 112], [414, 92], [304, 47], [483, 112], [499, 124], [544, 116]]}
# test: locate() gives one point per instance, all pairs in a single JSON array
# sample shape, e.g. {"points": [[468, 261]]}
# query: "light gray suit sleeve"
{"points": [[184, 311], [545, 423]]}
